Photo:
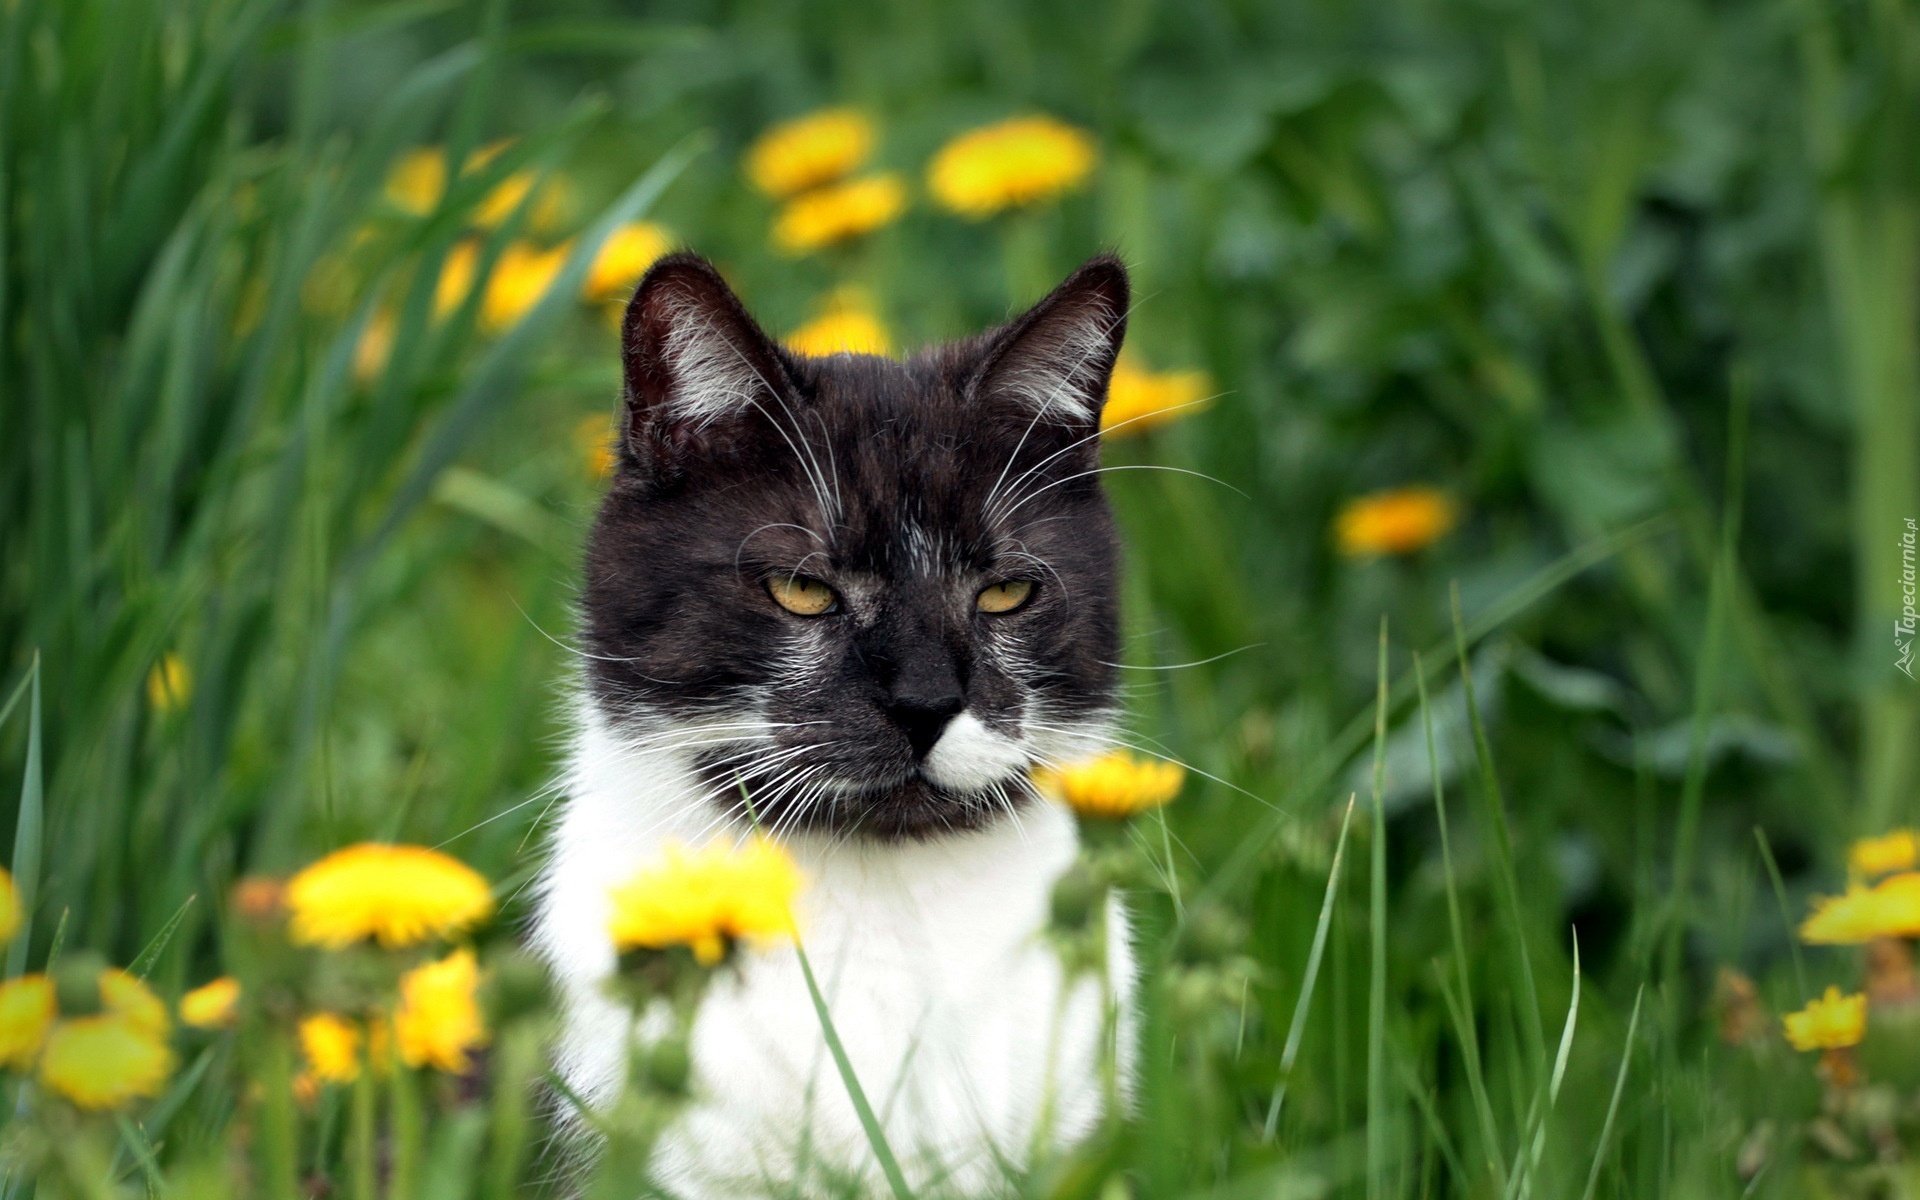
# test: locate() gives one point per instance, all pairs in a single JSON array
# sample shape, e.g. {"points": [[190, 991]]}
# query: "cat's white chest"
{"points": [[967, 1038]]}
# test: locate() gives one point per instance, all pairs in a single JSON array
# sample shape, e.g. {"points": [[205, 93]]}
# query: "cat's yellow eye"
{"points": [[802, 596], [1003, 597]]}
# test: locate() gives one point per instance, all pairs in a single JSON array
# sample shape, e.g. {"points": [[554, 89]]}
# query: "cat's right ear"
{"points": [[698, 369]]}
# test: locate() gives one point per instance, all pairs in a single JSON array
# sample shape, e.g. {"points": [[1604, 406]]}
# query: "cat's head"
{"points": [[860, 594]]}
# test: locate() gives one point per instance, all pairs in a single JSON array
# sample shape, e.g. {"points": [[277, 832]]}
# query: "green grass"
{"points": [[1637, 284]]}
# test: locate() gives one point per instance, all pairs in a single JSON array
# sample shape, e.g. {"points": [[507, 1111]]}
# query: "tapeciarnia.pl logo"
{"points": [[1903, 625]]}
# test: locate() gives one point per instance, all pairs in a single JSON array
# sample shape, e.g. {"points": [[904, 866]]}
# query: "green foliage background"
{"points": [[1636, 282]]}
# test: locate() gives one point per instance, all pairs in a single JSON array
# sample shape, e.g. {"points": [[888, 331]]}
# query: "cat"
{"points": [[867, 595]]}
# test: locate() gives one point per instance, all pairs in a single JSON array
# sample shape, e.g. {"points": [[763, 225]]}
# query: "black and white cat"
{"points": [[875, 593]]}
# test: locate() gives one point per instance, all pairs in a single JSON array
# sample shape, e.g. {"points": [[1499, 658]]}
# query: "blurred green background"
{"points": [[1634, 284]]}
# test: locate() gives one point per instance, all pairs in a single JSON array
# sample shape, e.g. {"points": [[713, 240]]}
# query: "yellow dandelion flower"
{"points": [[374, 347], [520, 278], [623, 258], [10, 915], [846, 325], [1139, 399], [547, 213], [1883, 855], [1114, 786], [213, 1005], [812, 150], [438, 1021], [397, 895], [106, 1061], [1015, 162], [594, 437], [331, 1046], [1890, 908], [27, 1012], [418, 180], [1398, 521], [1832, 1022], [839, 213], [125, 996], [706, 899], [169, 684], [457, 273]]}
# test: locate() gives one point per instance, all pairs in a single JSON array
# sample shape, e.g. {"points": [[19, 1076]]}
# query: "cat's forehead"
{"points": [[913, 477]]}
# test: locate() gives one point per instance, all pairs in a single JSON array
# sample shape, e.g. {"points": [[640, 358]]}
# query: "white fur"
{"points": [[711, 376], [961, 1027], [969, 757], [1063, 384]]}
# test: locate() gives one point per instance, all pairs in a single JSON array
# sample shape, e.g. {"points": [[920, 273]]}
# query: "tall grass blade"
{"points": [[1462, 960], [1506, 886], [1377, 945], [1462, 1018], [143, 963], [1786, 914], [27, 830], [1613, 1105], [1535, 1144], [869, 1124], [1297, 1028]]}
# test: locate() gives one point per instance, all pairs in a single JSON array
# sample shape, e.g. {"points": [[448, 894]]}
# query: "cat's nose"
{"points": [[923, 718]]}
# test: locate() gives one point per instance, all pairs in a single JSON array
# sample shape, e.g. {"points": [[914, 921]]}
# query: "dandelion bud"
{"points": [[1076, 894], [1195, 995], [1213, 934]]}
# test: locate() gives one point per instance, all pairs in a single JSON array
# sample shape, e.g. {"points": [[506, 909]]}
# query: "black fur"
{"points": [[878, 478]]}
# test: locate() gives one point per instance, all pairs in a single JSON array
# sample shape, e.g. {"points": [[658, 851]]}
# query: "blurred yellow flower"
{"points": [[374, 347], [457, 272], [839, 213], [438, 1021], [27, 1012], [809, 151], [397, 895], [129, 998], [623, 258], [547, 213], [1139, 399], [331, 1046], [706, 899], [1832, 1022], [520, 278], [9, 906], [212, 1005], [259, 898], [169, 684], [1890, 908], [1112, 787], [847, 324], [1883, 855], [594, 436], [1398, 521], [105, 1061], [1015, 162], [418, 182]]}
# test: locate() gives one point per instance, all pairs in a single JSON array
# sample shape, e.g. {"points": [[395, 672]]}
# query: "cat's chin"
{"points": [[921, 809], [915, 809]]}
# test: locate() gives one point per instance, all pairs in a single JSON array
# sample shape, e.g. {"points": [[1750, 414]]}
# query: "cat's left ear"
{"points": [[1054, 360]]}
